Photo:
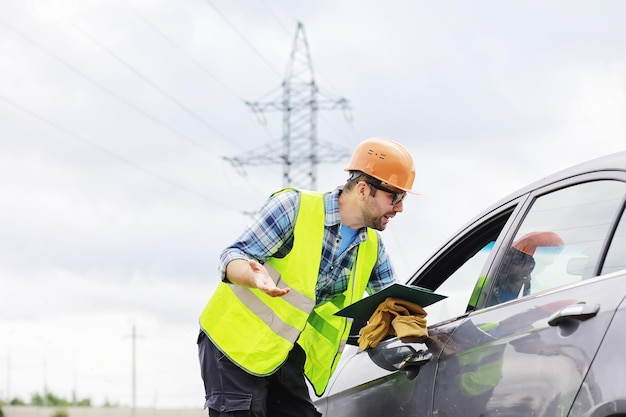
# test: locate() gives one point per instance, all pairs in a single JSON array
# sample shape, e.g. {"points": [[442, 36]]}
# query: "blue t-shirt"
{"points": [[347, 236]]}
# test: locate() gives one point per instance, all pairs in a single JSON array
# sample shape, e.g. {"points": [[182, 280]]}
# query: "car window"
{"points": [[458, 288], [456, 271], [559, 241], [616, 257]]}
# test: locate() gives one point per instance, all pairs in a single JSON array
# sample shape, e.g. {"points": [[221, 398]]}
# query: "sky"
{"points": [[117, 116]]}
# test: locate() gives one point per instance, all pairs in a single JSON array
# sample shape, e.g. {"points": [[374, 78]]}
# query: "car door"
{"points": [[530, 354]]}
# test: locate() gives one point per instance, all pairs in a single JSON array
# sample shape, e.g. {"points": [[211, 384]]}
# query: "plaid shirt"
{"points": [[271, 235]]}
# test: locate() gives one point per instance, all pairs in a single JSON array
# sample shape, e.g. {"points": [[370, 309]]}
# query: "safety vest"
{"points": [[257, 331]]}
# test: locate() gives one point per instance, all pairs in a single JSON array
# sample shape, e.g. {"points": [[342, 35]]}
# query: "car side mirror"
{"points": [[581, 266], [576, 266], [391, 358]]}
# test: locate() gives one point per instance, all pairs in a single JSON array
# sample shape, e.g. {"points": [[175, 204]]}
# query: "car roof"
{"points": [[611, 162]]}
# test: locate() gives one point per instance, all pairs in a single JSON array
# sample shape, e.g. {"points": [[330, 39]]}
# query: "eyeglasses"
{"points": [[396, 196]]}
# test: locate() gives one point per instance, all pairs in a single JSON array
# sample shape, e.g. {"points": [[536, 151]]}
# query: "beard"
{"points": [[372, 217]]}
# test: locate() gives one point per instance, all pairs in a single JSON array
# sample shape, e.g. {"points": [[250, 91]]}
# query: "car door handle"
{"points": [[580, 311], [412, 364]]}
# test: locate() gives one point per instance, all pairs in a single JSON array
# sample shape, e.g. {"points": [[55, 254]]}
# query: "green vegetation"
{"points": [[60, 412], [51, 400]]}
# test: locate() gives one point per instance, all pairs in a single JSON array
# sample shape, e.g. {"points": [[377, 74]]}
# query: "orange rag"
{"points": [[394, 317]]}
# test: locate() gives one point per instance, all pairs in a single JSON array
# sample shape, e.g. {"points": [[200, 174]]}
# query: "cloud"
{"points": [[116, 199]]}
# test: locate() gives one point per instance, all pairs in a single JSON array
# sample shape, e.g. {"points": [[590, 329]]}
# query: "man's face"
{"points": [[380, 208]]}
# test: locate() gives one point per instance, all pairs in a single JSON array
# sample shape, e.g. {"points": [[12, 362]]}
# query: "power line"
{"points": [[353, 138], [107, 90], [181, 50], [148, 81], [114, 155], [117, 96], [188, 56], [117, 58], [244, 38], [271, 12]]}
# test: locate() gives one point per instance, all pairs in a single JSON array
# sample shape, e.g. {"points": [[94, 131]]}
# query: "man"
{"points": [[305, 256], [515, 273]]}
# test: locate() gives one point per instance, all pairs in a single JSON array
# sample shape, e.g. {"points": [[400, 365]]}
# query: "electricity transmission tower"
{"points": [[299, 151]]}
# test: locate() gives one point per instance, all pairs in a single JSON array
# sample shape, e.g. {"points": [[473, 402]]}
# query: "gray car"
{"points": [[535, 319]]}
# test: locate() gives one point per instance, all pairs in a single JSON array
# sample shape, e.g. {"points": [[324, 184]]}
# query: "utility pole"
{"points": [[134, 377], [299, 151], [45, 371], [133, 337], [8, 401]]}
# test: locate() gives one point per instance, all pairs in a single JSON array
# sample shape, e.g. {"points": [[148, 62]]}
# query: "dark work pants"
{"points": [[232, 392]]}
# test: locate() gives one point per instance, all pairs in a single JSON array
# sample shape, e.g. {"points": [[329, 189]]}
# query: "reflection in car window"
{"points": [[458, 288], [559, 241], [521, 261], [616, 257]]}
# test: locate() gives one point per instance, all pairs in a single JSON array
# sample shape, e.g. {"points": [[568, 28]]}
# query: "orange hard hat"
{"points": [[531, 241], [385, 160]]}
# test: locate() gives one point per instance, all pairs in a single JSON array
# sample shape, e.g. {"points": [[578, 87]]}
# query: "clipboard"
{"points": [[364, 308]]}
